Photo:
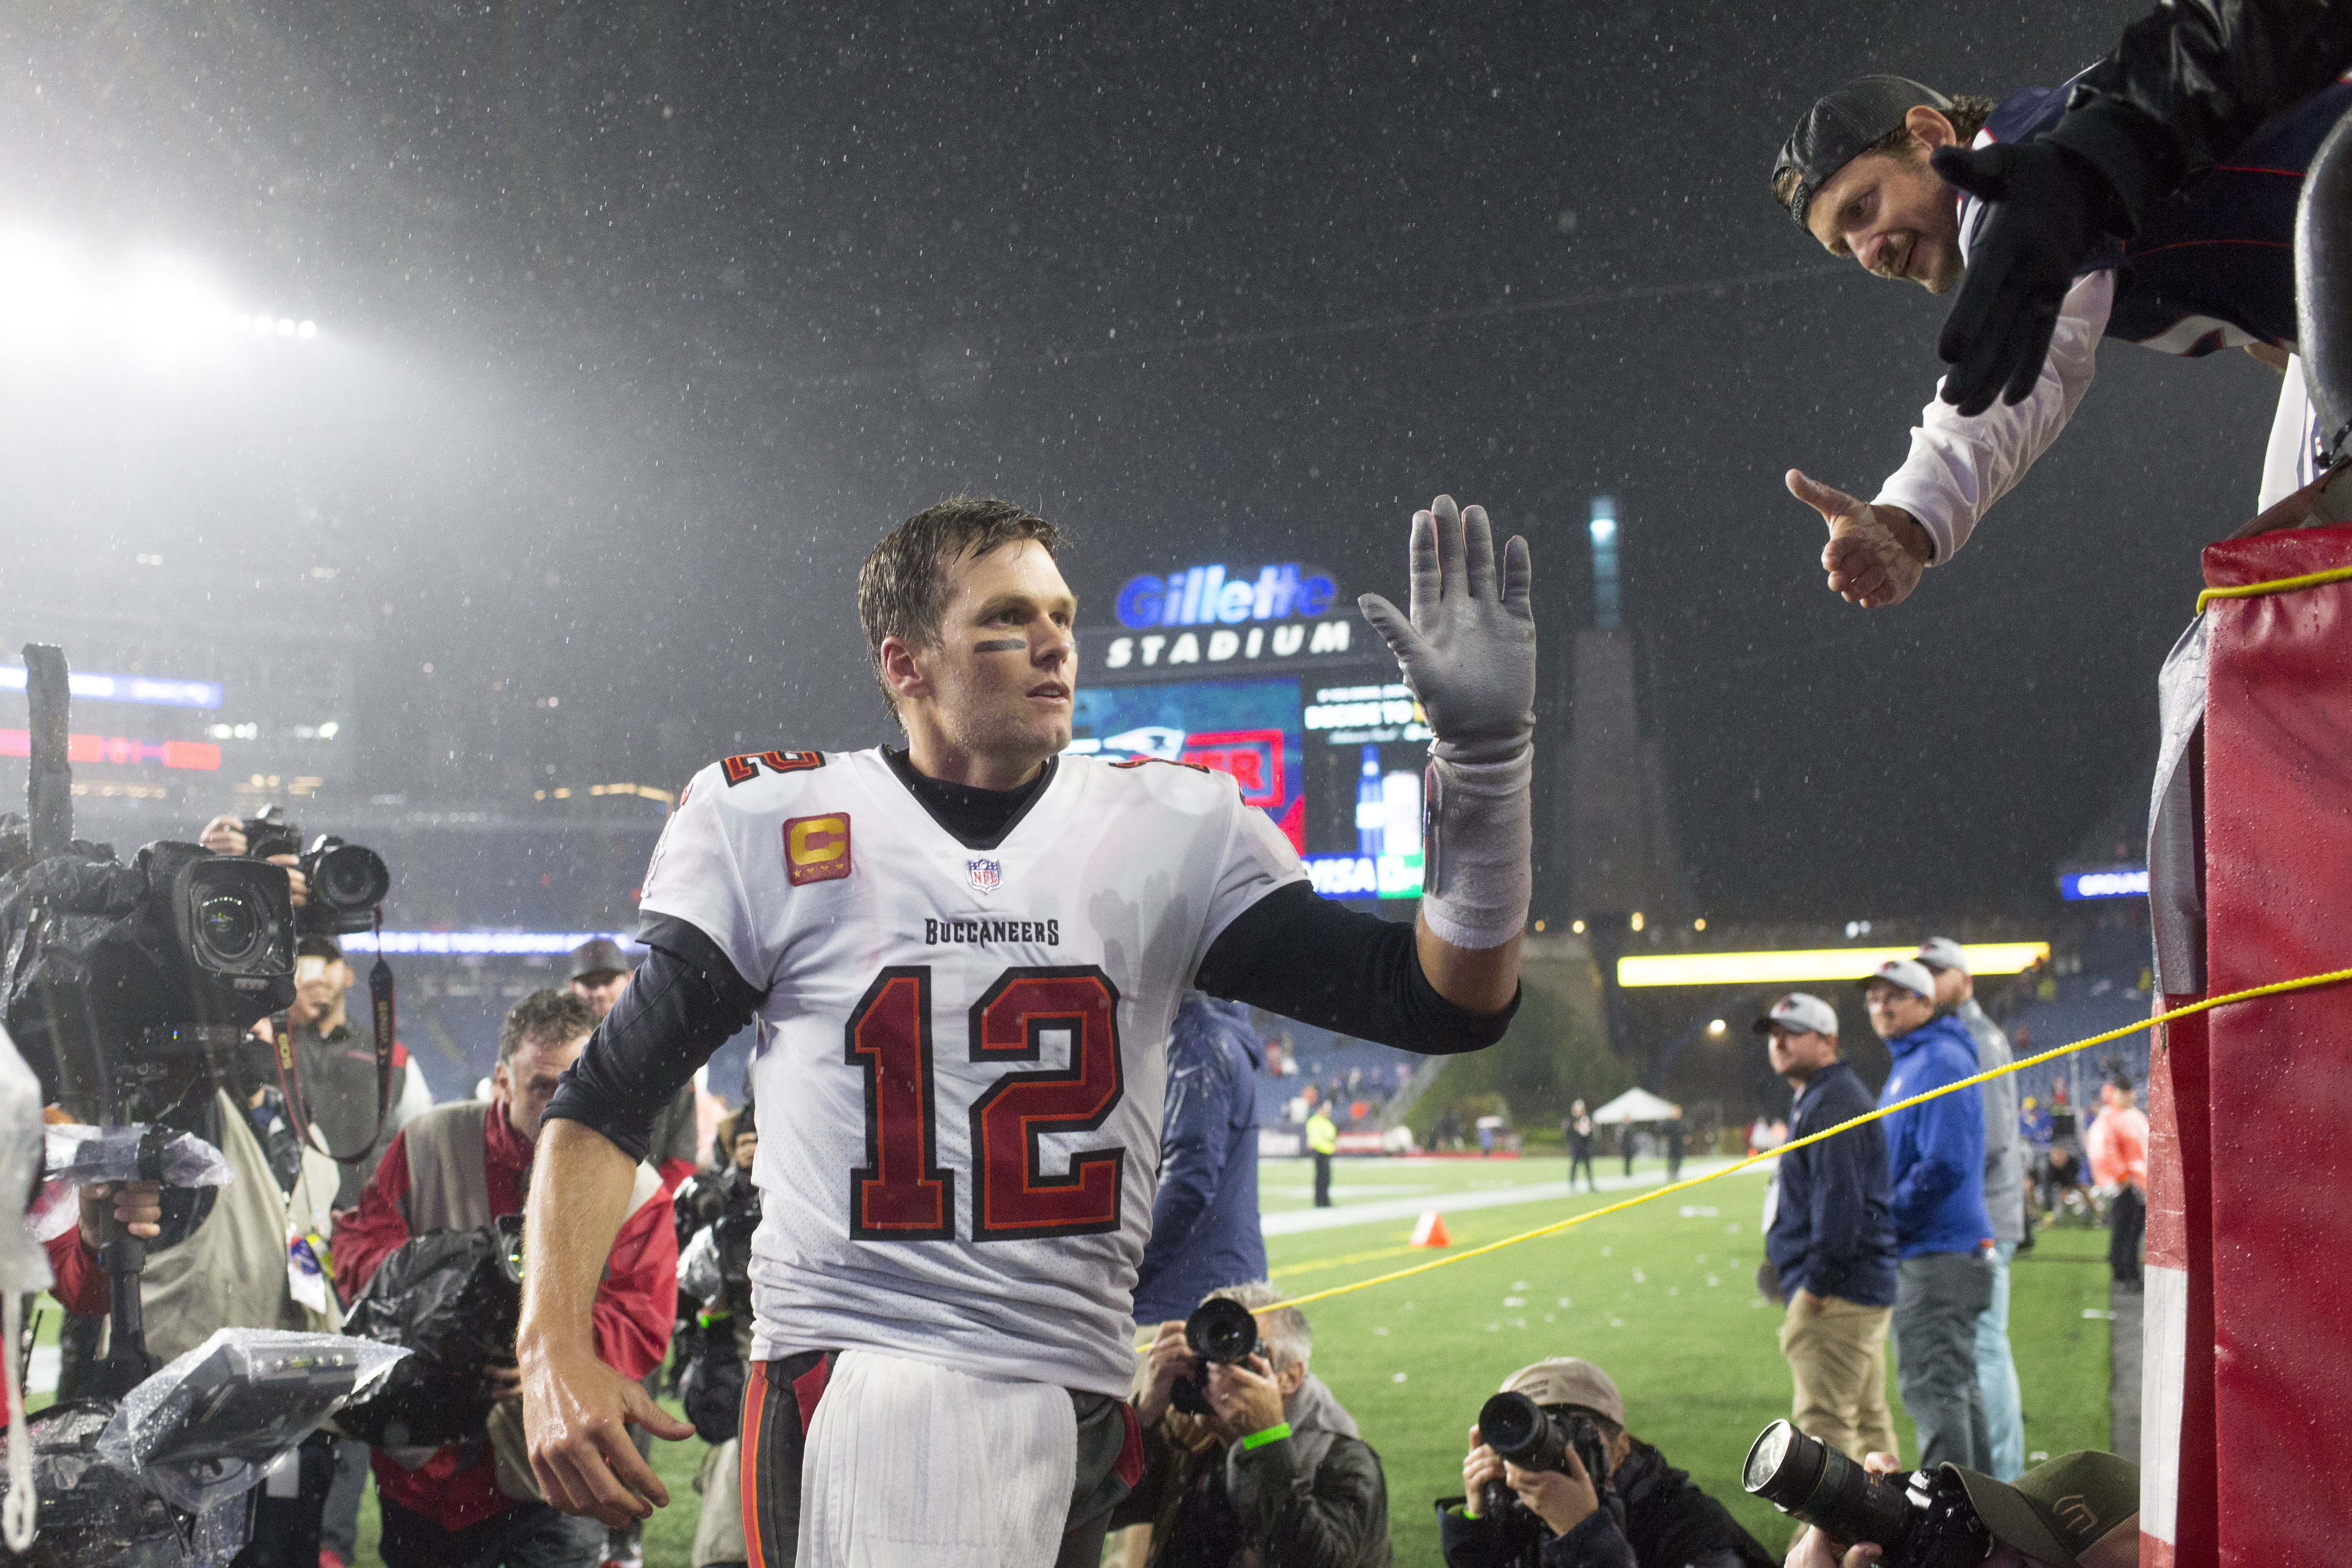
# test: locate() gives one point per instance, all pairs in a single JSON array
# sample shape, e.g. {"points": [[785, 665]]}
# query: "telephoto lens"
{"points": [[1807, 1478], [1515, 1427], [1222, 1329]]}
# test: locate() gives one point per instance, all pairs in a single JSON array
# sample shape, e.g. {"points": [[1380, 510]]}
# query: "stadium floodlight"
{"points": [[54, 299], [1795, 966]]}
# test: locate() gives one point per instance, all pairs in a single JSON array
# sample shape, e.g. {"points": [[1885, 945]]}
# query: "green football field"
{"points": [[1662, 1296]]}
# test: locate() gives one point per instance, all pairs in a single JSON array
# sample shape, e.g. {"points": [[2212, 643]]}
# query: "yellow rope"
{"points": [[2278, 585], [2277, 987]]}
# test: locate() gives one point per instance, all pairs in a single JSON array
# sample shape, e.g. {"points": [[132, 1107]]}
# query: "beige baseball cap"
{"points": [[1568, 1380]]}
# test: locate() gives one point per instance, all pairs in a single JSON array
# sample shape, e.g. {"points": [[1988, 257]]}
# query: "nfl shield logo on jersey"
{"points": [[983, 875]]}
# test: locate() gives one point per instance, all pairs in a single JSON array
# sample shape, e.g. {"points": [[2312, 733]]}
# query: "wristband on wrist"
{"points": [[1274, 1434], [1477, 879]]}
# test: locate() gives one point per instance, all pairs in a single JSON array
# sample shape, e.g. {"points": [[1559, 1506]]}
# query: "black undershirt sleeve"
{"points": [[1300, 956], [684, 1002]]}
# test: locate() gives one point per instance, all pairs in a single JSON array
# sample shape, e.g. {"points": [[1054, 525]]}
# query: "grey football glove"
{"points": [[1468, 652], [1468, 647]]}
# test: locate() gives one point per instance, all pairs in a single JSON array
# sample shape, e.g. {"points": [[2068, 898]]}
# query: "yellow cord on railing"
{"points": [[2307, 982], [2276, 585]]}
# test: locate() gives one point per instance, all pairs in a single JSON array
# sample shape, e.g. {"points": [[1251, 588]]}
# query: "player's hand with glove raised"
{"points": [[2049, 206], [1468, 644], [1467, 647], [1876, 553]]}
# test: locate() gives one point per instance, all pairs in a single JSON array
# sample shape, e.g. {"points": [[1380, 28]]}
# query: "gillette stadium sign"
{"points": [[1205, 596]]}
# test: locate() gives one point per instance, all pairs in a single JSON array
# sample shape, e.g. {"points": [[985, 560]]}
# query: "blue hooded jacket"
{"points": [[1936, 1152], [1204, 1229]]}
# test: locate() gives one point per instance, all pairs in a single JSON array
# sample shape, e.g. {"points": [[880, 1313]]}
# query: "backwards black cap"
{"points": [[1839, 126]]}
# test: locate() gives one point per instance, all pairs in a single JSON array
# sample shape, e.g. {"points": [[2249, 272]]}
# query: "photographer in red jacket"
{"points": [[458, 1167]]}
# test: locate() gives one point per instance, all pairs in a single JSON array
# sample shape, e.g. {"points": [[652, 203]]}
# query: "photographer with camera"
{"points": [[1251, 1459], [1534, 1500], [460, 1167], [717, 1213], [2078, 1511]]}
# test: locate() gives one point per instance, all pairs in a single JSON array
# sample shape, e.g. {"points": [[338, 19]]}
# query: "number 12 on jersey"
{"points": [[902, 1193]]}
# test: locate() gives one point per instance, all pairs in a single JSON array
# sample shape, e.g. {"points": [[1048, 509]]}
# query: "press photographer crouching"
{"points": [[1268, 1469], [1538, 1504], [460, 1168], [2078, 1511]]}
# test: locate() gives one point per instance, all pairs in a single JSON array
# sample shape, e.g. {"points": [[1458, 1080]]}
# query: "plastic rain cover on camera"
{"points": [[448, 1296], [205, 1427], [82, 1154], [94, 1511]]}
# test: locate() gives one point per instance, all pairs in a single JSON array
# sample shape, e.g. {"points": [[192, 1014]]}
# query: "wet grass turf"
{"points": [[1665, 1300]]}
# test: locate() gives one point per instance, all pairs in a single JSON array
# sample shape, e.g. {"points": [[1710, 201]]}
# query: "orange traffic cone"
{"points": [[1430, 1231]]}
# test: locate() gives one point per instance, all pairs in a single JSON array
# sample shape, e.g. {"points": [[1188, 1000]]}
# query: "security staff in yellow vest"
{"points": [[1322, 1142]]}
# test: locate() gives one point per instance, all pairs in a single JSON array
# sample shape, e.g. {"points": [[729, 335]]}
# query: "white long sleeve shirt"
{"points": [[1960, 465]]}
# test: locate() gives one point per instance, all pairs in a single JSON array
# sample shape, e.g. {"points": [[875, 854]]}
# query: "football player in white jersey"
{"points": [[963, 959]]}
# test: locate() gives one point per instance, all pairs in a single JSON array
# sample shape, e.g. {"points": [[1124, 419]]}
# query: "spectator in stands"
{"points": [[1830, 1248], [1204, 1225], [1322, 1142], [600, 973], [2117, 1147], [1577, 1134], [1935, 1159], [2004, 1199], [1643, 1514], [458, 1167], [1274, 1475]]}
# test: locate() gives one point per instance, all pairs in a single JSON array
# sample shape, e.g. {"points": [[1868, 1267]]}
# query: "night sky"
{"points": [[640, 323]]}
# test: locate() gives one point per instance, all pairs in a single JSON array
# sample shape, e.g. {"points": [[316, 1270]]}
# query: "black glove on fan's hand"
{"points": [[2049, 206]]}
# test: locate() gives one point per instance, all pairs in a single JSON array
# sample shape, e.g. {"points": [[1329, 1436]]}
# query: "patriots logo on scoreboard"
{"points": [[985, 876]]}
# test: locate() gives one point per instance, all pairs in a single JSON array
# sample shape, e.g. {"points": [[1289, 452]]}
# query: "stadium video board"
{"points": [[1337, 766]]}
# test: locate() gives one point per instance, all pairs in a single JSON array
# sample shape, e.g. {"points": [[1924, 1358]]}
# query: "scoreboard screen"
{"points": [[1337, 767]]}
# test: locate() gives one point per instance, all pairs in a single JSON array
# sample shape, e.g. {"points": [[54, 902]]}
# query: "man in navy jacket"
{"points": [[1204, 1229], [1936, 1158], [1830, 1242]]}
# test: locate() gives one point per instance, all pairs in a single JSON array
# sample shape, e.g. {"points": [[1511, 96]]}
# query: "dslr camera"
{"points": [[1534, 1438], [347, 881], [1923, 1519], [1221, 1332]]}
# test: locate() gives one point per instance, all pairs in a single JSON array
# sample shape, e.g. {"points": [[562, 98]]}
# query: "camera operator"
{"points": [[458, 1167], [2078, 1511], [1653, 1518], [714, 1282], [1274, 1475]]}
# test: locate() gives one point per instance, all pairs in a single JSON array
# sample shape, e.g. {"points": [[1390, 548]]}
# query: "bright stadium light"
{"points": [[150, 307], [1794, 966]]}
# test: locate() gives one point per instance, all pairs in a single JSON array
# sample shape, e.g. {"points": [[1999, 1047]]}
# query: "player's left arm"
{"points": [[1467, 648], [1450, 983]]}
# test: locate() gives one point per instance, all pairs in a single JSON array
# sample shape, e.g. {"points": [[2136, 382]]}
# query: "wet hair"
{"points": [[1968, 114], [543, 1016], [902, 589]]}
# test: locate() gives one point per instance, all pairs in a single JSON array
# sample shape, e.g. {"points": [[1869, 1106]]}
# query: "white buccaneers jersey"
{"points": [[962, 1054]]}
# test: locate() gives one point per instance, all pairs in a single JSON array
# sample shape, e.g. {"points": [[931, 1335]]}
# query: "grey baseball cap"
{"points": [[1943, 953], [1569, 1380], [1909, 973], [1799, 1011], [1834, 131]]}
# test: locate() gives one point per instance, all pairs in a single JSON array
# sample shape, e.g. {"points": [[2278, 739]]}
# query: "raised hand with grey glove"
{"points": [[1467, 647]]}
